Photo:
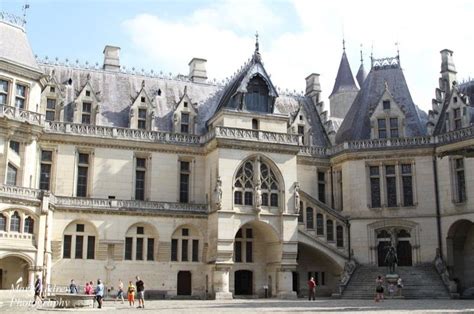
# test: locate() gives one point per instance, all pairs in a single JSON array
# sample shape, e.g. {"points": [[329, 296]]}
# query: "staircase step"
{"points": [[420, 282]]}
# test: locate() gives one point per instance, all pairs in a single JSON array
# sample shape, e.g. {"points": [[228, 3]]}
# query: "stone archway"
{"points": [[14, 271], [460, 257], [257, 255]]}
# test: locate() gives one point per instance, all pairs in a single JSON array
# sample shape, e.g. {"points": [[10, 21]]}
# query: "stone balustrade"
{"points": [[20, 192], [16, 235], [254, 135], [21, 115]]}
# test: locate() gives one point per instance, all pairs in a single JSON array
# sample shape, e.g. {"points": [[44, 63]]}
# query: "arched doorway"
{"points": [[461, 254], [13, 272], [184, 283], [243, 282], [400, 238]]}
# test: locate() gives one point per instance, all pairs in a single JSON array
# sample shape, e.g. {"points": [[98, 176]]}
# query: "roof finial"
{"points": [[361, 56], [24, 8], [256, 42], [343, 44], [398, 51]]}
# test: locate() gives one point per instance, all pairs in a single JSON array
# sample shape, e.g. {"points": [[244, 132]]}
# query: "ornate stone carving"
{"points": [[297, 197], [218, 193], [258, 196]]}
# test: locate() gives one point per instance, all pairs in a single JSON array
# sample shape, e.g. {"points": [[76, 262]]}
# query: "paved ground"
{"points": [[275, 306]]}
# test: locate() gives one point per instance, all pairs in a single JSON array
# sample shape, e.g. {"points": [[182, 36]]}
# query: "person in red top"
{"points": [[311, 288]]}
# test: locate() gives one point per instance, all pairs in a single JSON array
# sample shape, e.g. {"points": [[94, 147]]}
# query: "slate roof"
{"points": [[356, 125], [361, 75], [344, 79], [14, 46], [117, 91]]}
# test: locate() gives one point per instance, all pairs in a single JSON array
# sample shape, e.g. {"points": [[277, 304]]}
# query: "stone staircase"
{"points": [[420, 282]]}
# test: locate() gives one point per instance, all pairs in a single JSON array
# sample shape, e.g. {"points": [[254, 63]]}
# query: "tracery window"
{"points": [[245, 184], [15, 222], [391, 181], [3, 223], [407, 185], [375, 186]]}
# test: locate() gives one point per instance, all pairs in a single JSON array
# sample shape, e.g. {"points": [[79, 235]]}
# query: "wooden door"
{"points": [[404, 253], [382, 250], [184, 283], [243, 282]]}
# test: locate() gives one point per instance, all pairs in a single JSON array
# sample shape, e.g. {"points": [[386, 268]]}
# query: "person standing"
{"points": [[378, 289], [140, 292], [73, 287], [38, 289], [311, 289], [131, 293], [120, 291], [88, 288], [399, 286], [99, 292]]}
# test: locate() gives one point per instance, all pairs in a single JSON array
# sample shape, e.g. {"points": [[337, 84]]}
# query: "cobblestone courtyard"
{"points": [[278, 306]]}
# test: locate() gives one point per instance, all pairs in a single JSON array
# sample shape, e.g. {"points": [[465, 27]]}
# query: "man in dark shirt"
{"points": [[140, 293]]}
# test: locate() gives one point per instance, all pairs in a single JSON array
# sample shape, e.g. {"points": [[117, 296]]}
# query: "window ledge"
{"points": [[460, 203]]}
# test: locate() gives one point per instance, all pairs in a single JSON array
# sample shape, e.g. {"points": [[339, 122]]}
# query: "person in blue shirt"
{"points": [[99, 292]]}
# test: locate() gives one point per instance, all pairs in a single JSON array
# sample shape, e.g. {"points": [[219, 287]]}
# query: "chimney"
{"points": [[313, 87], [111, 58], [197, 70], [448, 70]]}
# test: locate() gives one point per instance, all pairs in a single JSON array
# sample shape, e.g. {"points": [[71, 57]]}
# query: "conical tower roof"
{"points": [[344, 79]]}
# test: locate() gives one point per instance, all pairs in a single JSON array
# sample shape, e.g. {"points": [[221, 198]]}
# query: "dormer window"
{"points": [[184, 122], [142, 119], [256, 98], [50, 109], [185, 104], [88, 93], [386, 105], [457, 118], [86, 113], [52, 89], [301, 132], [394, 127], [455, 99], [301, 118], [382, 127], [143, 99]]}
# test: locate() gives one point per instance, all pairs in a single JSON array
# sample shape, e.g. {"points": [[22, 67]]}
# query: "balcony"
{"points": [[21, 115], [27, 194], [252, 135]]}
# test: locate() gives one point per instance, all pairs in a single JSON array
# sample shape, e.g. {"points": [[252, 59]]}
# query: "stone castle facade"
{"points": [[217, 190]]}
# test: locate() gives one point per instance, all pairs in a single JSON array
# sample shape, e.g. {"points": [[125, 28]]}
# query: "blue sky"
{"points": [[297, 37]]}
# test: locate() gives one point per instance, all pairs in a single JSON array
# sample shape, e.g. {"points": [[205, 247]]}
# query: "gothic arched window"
{"points": [[15, 222], [29, 225], [269, 186], [246, 180], [243, 184], [3, 223]]}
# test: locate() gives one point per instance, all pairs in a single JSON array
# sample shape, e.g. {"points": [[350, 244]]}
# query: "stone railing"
{"points": [[121, 133], [19, 192], [21, 115], [253, 135], [98, 203], [329, 214], [16, 235], [455, 136]]}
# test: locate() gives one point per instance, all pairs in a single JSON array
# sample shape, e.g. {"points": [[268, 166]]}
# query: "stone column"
{"points": [[47, 241], [285, 284], [221, 283], [31, 277]]}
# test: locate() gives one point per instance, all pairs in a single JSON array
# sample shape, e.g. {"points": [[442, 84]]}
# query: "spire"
{"points": [[256, 54], [344, 79], [361, 73], [343, 44]]}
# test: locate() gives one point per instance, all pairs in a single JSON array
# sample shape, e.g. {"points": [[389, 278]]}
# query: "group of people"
{"points": [[99, 291], [379, 289]]}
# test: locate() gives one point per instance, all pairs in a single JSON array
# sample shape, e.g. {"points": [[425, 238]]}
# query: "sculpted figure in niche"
{"points": [[218, 193], [297, 197]]}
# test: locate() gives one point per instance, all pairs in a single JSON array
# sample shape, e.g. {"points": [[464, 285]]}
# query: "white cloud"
{"points": [[223, 34]]}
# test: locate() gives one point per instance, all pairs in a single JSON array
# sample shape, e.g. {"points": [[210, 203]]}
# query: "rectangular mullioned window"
{"points": [[391, 185], [459, 188], [4, 87]]}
